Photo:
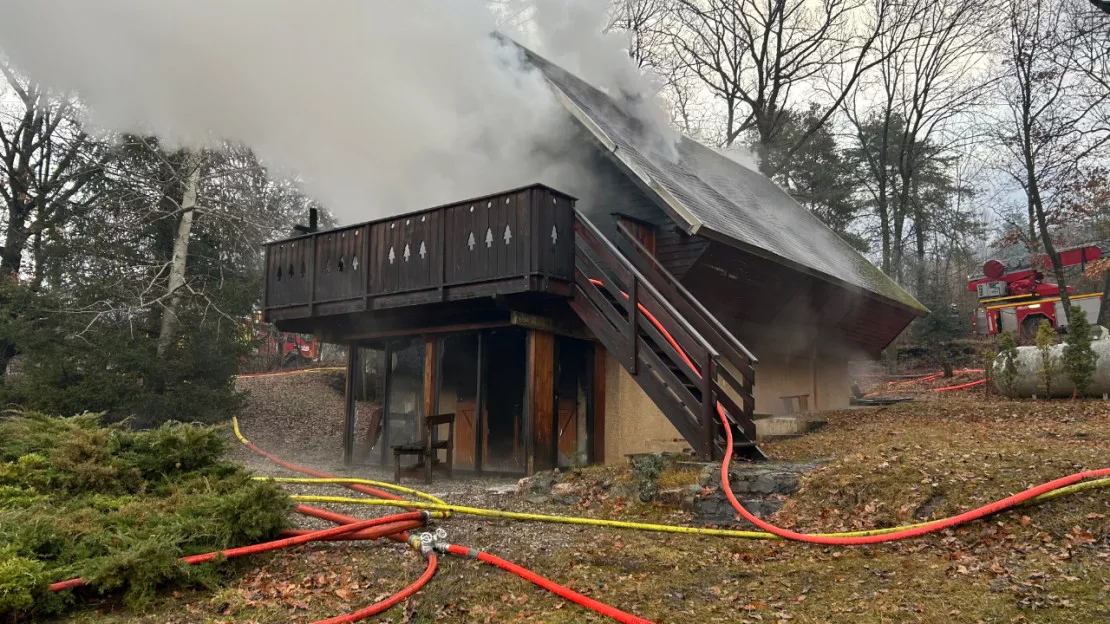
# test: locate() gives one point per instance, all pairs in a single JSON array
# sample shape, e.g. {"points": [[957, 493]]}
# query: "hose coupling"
{"points": [[429, 542], [416, 543]]}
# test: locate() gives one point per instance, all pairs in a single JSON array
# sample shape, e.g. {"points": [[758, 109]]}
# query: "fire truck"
{"points": [[1013, 295], [286, 350]]}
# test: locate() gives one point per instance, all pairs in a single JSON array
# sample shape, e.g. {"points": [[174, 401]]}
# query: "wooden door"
{"points": [[568, 431], [466, 434], [643, 231]]}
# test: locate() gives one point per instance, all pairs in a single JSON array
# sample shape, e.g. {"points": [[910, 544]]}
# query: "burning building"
{"points": [[563, 330]]}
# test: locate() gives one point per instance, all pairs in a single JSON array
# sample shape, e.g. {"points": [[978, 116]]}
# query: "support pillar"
{"points": [[597, 406], [429, 380], [541, 401], [350, 404]]}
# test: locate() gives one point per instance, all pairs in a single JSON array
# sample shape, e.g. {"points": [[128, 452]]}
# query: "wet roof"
{"points": [[711, 195]]}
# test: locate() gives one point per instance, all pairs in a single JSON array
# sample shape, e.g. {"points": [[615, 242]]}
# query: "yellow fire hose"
{"points": [[436, 504], [618, 524]]}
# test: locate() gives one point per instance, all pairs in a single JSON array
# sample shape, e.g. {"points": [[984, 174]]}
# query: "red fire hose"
{"points": [[324, 514], [524, 573], [321, 475], [547, 584], [918, 380], [961, 386], [611, 611], [393, 530], [940, 525], [933, 527], [936, 375], [388, 603], [274, 545]]}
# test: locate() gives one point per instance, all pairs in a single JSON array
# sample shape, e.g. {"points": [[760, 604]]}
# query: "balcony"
{"points": [[513, 242]]}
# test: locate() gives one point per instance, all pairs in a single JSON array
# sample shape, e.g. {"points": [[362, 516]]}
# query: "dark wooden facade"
{"points": [[748, 292], [512, 242], [521, 258]]}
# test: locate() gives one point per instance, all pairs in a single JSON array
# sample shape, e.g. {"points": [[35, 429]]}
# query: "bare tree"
{"points": [[1092, 45], [646, 23], [913, 112], [757, 57], [649, 26], [45, 164], [1049, 131]]}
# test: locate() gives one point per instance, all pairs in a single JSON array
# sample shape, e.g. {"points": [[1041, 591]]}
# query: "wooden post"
{"points": [[266, 285], [633, 311], [350, 406], [541, 387], [598, 406], [428, 434], [813, 364], [429, 378], [387, 390], [480, 404], [312, 275], [708, 408]]}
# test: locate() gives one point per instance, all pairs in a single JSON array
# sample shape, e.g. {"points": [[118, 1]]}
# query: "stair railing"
{"points": [[723, 340], [619, 318]]}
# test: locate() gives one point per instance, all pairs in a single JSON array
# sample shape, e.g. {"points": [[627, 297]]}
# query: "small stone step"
{"points": [[778, 427]]}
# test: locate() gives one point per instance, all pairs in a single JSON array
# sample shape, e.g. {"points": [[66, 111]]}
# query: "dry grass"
{"points": [[892, 465]]}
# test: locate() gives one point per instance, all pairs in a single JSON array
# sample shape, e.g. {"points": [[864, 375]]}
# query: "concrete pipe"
{"points": [[1028, 382]]}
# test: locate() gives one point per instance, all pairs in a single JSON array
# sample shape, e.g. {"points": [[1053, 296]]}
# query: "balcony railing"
{"points": [[516, 241]]}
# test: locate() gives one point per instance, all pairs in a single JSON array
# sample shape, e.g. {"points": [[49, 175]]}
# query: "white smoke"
{"points": [[740, 155], [574, 34], [379, 107]]}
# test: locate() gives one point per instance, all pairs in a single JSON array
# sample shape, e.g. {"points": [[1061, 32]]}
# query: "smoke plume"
{"points": [[740, 155], [378, 107], [575, 35]]}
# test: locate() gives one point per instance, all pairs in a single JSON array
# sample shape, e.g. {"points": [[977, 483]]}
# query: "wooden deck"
{"points": [[512, 242]]}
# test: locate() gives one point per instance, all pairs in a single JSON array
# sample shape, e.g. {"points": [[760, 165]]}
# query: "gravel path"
{"points": [[299, 418]]}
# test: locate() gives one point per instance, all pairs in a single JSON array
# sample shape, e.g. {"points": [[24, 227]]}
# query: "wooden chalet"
{"points": [[565, 331]]}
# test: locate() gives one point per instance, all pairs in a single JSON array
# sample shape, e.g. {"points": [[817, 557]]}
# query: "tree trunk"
{"points": [[1050, 249], [16, 236], [1104, 308], [11, 258], [884, 227], [180, 254]]}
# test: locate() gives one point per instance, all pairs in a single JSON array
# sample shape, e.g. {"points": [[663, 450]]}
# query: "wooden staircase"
{"points": [[625, 299]]}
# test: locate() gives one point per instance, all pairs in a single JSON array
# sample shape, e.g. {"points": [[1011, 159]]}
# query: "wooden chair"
{"points": [[427, 450]]}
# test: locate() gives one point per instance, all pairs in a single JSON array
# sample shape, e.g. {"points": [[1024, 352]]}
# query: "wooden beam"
{"points": [[549, 324], [541, 386], [442, 329]]}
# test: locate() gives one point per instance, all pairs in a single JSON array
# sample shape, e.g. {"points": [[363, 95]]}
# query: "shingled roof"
{"points": [[708, 194]]}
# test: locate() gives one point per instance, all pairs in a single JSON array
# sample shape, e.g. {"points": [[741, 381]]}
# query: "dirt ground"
{"points": [[893, 465]]}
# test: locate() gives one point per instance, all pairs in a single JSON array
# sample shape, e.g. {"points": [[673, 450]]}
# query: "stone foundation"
{"points": [[761, 488]]}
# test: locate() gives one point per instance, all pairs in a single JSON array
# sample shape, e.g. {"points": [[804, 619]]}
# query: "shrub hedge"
{"points": [[118, 507]]}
